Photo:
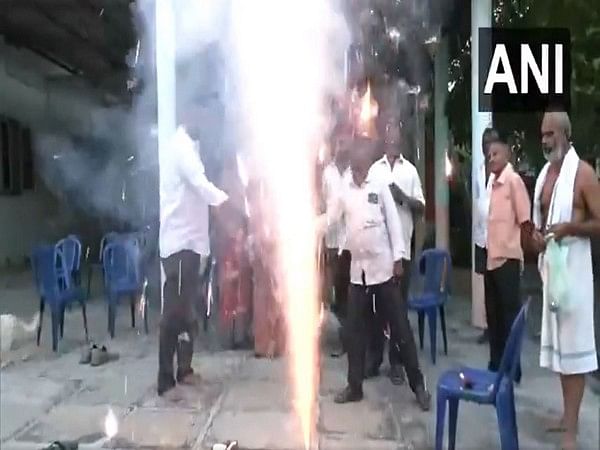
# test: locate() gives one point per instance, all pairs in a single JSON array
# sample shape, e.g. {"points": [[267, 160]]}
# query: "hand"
{"points": [[398, 193], [398, 270], [538, 242], [560, 230]]}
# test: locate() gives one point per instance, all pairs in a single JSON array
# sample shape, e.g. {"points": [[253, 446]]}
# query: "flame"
{"points": [[111, 424], [322, 152], [368, 112], [449, 169]]}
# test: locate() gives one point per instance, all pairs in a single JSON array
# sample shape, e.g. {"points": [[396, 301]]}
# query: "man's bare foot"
{"points": [[569, 441], [556, 426]]}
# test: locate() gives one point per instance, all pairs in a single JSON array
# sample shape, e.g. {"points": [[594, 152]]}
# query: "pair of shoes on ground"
{"points": [[97, 356], [349, 395]]}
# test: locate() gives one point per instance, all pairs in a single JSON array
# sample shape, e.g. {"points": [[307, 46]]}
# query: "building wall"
{"points": [[38, 95]]}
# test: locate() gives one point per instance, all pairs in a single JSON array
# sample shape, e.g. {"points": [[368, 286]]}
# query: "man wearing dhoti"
{"points": [[567, 206]]}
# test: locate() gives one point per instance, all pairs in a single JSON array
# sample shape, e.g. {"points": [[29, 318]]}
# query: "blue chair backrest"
{"points": [[71, 250], [512, 350], [50, 271], [436, 264], [121, 262]]}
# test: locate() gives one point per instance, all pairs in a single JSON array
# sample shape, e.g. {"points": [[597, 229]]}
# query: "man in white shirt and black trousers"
{"points": [[185, 197], [374, 240], [405, 185]]}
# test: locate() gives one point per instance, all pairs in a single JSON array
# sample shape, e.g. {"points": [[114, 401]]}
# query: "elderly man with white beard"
{"points": [[567, 209]]}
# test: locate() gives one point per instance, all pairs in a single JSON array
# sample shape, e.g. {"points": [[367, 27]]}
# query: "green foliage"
{"points": [[582, 17]]}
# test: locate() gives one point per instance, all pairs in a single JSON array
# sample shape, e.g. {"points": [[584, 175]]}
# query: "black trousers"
{"points": [[178, 325], [341, 282], [378, 323], [502, 305], [390, 303]]}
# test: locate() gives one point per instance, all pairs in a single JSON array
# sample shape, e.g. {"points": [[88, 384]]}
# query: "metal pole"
{"points": [[165, 83], [442, 225], [481, 17]]}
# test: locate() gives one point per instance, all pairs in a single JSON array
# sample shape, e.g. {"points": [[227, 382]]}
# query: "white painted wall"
{"points": [[31, 93]]}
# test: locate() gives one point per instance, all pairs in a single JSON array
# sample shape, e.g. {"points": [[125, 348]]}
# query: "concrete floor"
{"points": [[45, 397]]}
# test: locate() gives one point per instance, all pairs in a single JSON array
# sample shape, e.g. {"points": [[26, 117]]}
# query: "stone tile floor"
{"points": [[45, 397]]}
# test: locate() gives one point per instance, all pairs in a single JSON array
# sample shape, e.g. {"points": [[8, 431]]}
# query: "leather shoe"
{"points": [[397, 375], [423, 398], [348, 395]]}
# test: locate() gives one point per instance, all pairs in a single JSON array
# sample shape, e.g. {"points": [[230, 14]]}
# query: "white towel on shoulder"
{"points": [[567, 341]]}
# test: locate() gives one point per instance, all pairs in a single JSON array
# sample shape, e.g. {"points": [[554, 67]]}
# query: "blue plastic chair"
{"points": [[56, 288], [436, 266], [487, 388], [71, 250], [122, 277]]}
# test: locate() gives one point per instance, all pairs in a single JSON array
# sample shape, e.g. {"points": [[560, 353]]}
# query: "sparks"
{"points": [[367, 113], [448, 167], [111, 424], [282, 106]]}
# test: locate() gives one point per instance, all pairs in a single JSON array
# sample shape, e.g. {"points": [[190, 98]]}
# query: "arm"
{"points": [[590, 191], [192, 169], [415, 201], [522, 205], [393, 225]]}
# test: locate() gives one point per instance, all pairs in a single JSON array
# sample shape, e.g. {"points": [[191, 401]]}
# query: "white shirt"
{"points": [[331, 187], [372, 229], [405, 176], [185, 194]]}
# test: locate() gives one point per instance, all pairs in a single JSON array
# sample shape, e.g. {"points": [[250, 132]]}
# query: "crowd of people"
{"points": [[371, 197]]}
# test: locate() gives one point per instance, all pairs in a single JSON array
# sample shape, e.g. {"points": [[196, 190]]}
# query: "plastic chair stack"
{"points": [[485, 388], [436, 266], [56, 288], [121, 260]]}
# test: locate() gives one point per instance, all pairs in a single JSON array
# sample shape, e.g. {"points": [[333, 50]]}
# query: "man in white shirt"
{"points": [[374, 240], [405, 185], [337, 257], [185, 196]]}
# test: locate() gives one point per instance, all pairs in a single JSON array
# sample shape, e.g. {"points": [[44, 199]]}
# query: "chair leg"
{"points": [[89, 281], [132, 307], [440, 420], [146, 316], [111, 318], [452, 421], [39, 330], [85, 326], [443, 323], [62, 322], [505, 411], [421, 316], [56, 313], [432, 319]]}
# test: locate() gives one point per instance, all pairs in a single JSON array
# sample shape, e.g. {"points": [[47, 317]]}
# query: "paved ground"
{"points": [[45, 397]]}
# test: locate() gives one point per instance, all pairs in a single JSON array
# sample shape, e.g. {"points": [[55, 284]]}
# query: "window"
{"points": [[16, 157]]}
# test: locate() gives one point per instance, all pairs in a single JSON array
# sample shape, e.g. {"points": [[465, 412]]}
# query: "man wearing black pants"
{"points": [[178, 325], [509, 216], [374, 241], [185, 197], [405, 185]]}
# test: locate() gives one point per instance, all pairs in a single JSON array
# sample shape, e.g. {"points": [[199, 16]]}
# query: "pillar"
{"points": [[165, 81], [442, 225], [481, 17]]}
